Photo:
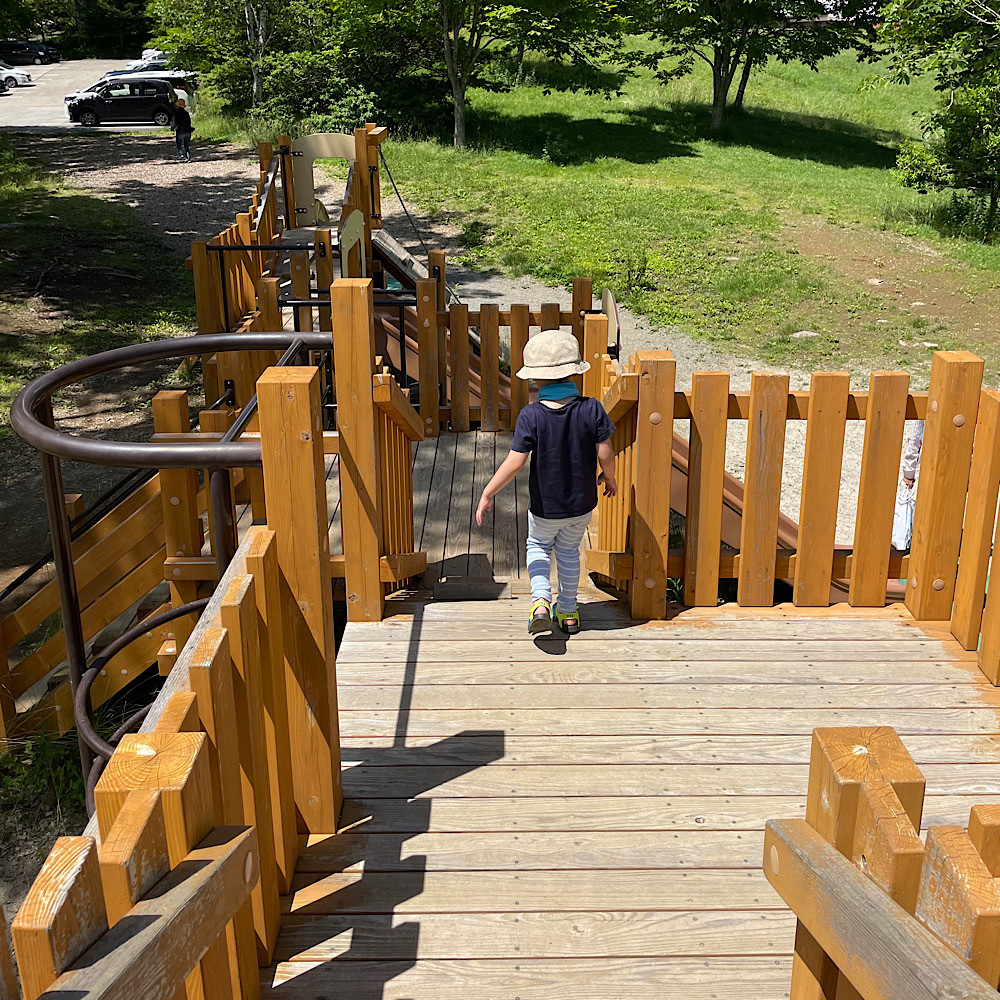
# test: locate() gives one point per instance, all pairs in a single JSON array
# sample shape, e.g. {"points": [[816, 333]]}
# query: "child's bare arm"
{"points": [[511, 466], [606, 459]]}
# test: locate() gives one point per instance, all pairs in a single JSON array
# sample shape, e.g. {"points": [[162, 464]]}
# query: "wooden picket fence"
{"points": [[883, 915]]}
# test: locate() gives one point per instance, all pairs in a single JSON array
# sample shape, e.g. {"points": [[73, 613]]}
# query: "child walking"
{"points": [[567, 435]]}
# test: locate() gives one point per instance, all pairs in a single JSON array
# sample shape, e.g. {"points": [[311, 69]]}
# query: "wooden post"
{"points": [[299, 271], [360, 487], [706, 474], [179, 496], [489, 366], [842, 762], [595, 345], [980, 515], [374, 176], [287, 181], [238, 612], [549, 316], [262, 564], [437, 259], [820, 488], [207, 296], [7, 706], [460, 371], [295, 481], [178, 766], [427, 346], [762, 492], [884, 424], [133, 857], [324, 272], [583, 301], [520, 323], [62, 916], [9, 989], [267, 302], [363, 187], [210, 675], [952, 404], [651, 503]]}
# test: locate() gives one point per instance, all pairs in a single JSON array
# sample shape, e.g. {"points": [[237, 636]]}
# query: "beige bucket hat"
{"points": [[552, 354]]}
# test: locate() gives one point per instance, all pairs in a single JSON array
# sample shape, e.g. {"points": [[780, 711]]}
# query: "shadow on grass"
{"points": [[652, 133]]}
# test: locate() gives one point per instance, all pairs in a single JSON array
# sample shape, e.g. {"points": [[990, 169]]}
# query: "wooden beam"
{"points": [[881, 949], [427, 348], [519, 322], [402, 566], [392, 401], [622, 396], [167, 935]]}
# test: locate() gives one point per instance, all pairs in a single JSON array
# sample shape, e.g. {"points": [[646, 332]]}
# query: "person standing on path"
{"points": [[182, 129], [567, 435]]}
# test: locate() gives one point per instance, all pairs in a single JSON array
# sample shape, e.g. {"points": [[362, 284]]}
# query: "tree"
{"points": [[956, 40], [961, 149], [477, 33], [730, 35]]}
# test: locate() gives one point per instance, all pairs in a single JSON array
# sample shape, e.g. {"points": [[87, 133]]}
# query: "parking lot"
{"points": [[41, 105]]}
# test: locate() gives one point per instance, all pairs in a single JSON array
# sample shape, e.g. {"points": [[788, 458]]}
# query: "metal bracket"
{"points": [[298, 152], [301, 211], [284, 149], [229, 391], [322, 249]]}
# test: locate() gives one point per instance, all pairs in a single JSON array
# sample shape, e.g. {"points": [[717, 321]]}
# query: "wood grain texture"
{"points": [[820, 487], [980, 516], [594, 346], [459, 358], [650, 515], [882, 950], [167, 935], [762, 491], [9, 986], [62, 915], [133, 857], [293, 475], [489, 336], [427, 338], [877, 491], [706, 471], [956, 379]]}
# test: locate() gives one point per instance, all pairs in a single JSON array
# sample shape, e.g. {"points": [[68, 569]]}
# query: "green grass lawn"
{"points": [[691, 229]]}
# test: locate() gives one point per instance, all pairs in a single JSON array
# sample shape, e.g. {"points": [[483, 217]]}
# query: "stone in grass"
{"points": [[875, 281], [804, 335], [929, 344]]}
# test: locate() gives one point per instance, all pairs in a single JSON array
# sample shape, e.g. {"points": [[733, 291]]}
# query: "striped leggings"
{"points": [[563, 534]]}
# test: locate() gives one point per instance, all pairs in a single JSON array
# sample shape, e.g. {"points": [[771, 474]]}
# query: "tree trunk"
{"points": [[722, 78], [741, 91], [458, 93]]}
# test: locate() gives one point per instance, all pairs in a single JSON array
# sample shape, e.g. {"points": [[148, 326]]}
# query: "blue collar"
{"points": [[558, 390]]}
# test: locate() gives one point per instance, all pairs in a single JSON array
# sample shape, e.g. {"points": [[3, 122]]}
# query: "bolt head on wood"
{"points": [[938, 584], [655, 418], [959, 419], [774, 859], [934, 407], [650, 582]]}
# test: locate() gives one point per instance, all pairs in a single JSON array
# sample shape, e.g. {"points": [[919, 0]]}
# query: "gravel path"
{"points": [[190, 201]]}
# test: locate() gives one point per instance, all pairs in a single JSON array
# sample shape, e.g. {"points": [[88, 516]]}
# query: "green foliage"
{"points": [[954, 40], [961, 149], [303, 96], [734, 35], [42, 778]]}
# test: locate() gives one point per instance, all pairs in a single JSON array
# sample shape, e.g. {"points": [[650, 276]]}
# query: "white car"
{"points": [[12, 76]]}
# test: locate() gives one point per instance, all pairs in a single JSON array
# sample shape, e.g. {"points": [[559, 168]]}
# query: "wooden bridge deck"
{"points": [[583, 819]]}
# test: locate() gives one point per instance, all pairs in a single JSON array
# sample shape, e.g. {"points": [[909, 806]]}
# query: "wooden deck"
{"points": [[583, 819]]}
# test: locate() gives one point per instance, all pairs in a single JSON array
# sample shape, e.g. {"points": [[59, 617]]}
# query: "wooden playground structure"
{"points": [[752, 799]]}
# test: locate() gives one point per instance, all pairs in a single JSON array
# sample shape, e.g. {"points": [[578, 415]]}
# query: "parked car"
{"points": [[148, 55], [46, 50], [22, 54], [146, 65], [184, 82], [124, 101], [12, 76], [3, 87]]}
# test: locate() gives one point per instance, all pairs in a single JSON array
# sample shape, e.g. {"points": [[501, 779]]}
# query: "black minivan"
{"points": [[23, 54], [125, 101]]}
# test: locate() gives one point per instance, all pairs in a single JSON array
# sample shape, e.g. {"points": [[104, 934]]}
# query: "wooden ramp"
{"points": [[583, 819]]}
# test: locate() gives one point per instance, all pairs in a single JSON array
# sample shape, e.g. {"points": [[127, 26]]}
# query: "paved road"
{"points": [[41, 105]]}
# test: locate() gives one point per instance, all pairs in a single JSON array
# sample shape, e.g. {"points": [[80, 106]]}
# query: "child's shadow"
{"points": [[553, 644]]}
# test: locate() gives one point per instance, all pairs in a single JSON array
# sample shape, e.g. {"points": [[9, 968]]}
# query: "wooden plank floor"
{"points": [[449, 473], [583, 820]]}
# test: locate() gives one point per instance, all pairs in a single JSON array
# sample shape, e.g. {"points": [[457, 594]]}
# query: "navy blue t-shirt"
{"points": [[563, 444]]}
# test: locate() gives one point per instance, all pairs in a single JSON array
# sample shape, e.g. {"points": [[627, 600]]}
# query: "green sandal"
{"points": [[569, 622], [540, 618]]}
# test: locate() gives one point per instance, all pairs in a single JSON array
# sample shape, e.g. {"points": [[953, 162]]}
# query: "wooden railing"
{"points": [[243, 738], [881, 914], [947, 567]]}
